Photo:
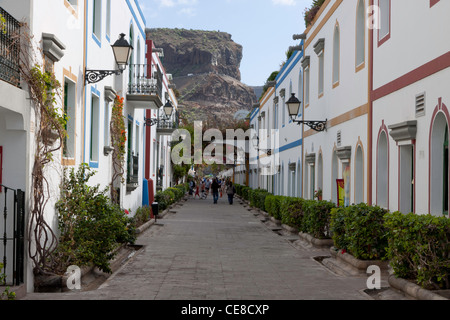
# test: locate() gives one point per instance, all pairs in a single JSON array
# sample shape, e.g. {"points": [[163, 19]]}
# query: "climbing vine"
{"points": [[118, 142], [49, 132]]}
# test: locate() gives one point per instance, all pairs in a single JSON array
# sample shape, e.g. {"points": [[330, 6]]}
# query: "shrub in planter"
{"points": [[272, 205], [337, 227], [419, 248], [245, 192], [257, 198], [90, 226], [316, 218], [238, 188], [361, 229], [178, 193], [142, 215], [165, 199], [291, 211]]}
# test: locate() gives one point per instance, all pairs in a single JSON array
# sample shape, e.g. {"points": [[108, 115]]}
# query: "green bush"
{"points": [[291, 211], [245, 192], [316, 218], [164, 199], [272, 205], [419, 248], [257, 198], [142, 215], [90, 226], [178, 193], [360, 229], [337, 226]]}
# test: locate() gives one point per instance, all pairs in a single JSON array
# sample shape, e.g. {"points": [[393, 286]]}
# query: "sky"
{"points": [[263, 27]]}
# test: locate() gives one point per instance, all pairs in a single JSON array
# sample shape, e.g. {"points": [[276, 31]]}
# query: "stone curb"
{"points": [[318, 243], [413, 290], [289, 228], [357, 263]]}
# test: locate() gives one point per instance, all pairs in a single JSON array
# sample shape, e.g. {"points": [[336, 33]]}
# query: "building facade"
{"points": [[73, 41], [386, 137]]}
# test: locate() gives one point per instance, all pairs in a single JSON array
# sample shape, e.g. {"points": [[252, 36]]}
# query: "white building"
{"points": [[75, 38], [336, 77], [277, 167], [410, 100]]}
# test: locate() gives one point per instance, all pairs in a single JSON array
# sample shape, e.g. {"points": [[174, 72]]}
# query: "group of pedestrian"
{"points": [[217, 186]]}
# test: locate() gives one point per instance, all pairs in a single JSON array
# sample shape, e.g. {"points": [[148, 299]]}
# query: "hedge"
{"points": [[317, 218], [419, 248], [170, 196], [272, 205], [291, 211], [360, 230], [258, 198]]}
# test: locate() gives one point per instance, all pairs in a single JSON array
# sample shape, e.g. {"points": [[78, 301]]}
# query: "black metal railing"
{"points": [[133, 169], [9, 49], [170, 123], [143, 82], [13, 249], [167, 124]]}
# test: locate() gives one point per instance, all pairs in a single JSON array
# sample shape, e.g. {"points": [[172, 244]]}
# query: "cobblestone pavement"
{"points": [[209, 251]]}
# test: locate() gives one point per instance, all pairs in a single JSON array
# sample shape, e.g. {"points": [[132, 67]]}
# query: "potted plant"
{"points": [[318, 194]]}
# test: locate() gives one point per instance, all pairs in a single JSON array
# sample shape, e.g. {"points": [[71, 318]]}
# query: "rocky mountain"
{"points": [[205, 66]]}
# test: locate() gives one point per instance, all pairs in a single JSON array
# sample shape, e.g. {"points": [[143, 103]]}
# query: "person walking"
{"points": [[207, 186], [197, 190], [215, 190], [230, 192]]}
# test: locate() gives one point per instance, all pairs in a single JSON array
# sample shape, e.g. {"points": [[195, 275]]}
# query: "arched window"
{"points": [[336, 55], [360, 34], [439, 173], [320, 172], [359, 175], [131, 62], [385, 20], [382, 170]]}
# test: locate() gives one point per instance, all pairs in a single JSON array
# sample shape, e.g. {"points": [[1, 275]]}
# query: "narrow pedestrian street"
{"points": [[206, 251]]}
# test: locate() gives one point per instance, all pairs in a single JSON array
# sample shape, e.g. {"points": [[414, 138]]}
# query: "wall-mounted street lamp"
{"points": [[256, 144], [122, 53], [293, 105], [168, 111]]}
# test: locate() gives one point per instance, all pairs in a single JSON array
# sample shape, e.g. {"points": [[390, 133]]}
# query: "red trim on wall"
{"points": [[370, 117], [418, 74], [433, 2]]}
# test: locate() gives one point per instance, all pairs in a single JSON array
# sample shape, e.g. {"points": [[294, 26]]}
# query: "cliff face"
{"points": [[195, 52], [205, 68]]}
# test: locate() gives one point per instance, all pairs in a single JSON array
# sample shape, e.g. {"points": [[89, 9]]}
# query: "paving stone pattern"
{"points": [[209, 251]]}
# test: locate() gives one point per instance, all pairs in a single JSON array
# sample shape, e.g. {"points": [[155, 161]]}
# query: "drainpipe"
{"points": [[370, 117]]}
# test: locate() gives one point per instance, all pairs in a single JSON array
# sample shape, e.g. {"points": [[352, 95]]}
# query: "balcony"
{"points": [[144, 88], [10, 49], [166, 127]]}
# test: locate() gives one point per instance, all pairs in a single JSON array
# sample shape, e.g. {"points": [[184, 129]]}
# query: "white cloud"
{"points": [[190, 12], [166, 3], [284, 2], [177, 3]]}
